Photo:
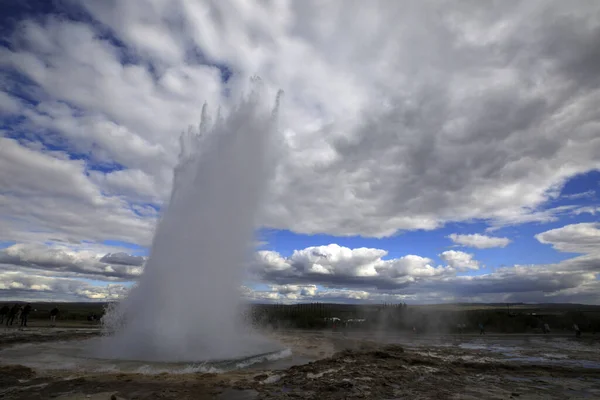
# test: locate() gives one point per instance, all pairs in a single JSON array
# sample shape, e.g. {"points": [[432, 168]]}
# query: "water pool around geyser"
{"points": [[79, 356], [72, 357]]}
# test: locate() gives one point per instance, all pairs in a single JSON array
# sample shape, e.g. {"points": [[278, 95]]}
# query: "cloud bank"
{"points": [[399, 116], [463, 115], [327, 273]]}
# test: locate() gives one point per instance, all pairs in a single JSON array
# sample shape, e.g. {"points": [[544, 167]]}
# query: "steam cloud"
{"points": [[186, 305]]}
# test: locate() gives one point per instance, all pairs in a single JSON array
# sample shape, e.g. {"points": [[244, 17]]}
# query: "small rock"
{"points": [[515, 394], [261, 377], [113, 397], [382, 354], [345, 384]]}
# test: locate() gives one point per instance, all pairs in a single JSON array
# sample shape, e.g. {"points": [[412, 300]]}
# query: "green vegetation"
{"points": [[501, 318]]}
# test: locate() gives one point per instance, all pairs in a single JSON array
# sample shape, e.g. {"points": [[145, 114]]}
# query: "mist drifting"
{"points": [[186, 305]]}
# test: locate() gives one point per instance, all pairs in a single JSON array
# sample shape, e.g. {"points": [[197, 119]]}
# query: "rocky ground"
{"points": [[348, 369]]}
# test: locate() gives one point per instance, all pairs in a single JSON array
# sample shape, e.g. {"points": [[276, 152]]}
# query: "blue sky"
{"points": [[385, 155]]}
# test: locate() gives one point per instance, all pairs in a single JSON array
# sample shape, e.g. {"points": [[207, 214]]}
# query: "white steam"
{"points": [[186, 305]]}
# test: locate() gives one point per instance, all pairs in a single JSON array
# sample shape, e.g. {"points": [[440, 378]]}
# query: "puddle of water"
{"points": [[563, 351], [555, 356]]}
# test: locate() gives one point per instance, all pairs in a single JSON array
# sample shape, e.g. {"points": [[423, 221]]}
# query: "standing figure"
{"points": [[577, 331], [25, 314], [12, 314], [53, 315], [481, 329], [4, 313], [546, 328], [18, 314]]}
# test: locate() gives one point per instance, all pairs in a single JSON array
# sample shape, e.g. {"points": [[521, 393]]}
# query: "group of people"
{"points": [[17, 312], [21, 313]]}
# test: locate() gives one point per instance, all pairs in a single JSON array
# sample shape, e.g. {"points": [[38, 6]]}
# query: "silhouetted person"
{"points": [[25, 314], [92, 317], [53, 314], [546, 328], [481, 329], [577, 330], [12, 314], [4, 313]]}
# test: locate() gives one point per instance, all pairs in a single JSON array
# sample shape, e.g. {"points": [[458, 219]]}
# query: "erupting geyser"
{"points": [[186, 305]]}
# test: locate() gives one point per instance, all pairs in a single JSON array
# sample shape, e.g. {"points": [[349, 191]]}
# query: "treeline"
{"points": [[398, 317], [444, 318], [319, 315]]}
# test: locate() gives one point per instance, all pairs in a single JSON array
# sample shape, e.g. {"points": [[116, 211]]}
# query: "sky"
{"points": [[433, 151]]}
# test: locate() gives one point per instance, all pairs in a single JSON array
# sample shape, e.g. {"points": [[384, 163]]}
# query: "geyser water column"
{"points": [[186, 304]]}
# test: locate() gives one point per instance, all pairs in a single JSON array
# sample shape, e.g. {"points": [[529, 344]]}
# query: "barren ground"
{"points": [[344, 367]]}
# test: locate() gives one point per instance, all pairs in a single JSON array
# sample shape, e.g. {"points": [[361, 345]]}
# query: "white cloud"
{"points": [[542, 283], [459, 260], [581, 195], [413, 278], [343, 275], [306, 293], [129, 183], [72, 261], [16, 285], [401, 117], [55, 198], [410, 268], [586, 210], [576, 238], [8, 104], [341, 267], [479, 241]]}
